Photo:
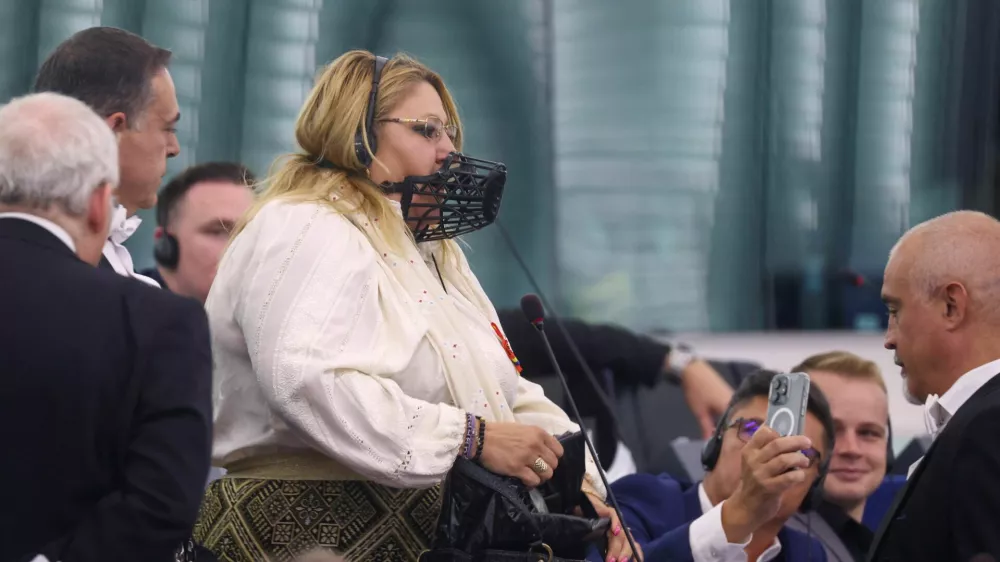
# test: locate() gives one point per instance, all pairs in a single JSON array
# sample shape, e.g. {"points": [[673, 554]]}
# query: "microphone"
{"points": [[532, 308]]}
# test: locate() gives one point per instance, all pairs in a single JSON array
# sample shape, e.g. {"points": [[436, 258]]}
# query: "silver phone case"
{"points": [[787, 403]]}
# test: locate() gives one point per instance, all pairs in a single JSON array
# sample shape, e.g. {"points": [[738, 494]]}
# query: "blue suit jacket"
{"points": [[878, 503], [659, 513]]}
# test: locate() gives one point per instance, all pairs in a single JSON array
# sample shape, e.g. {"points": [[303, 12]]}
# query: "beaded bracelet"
{"points": [[480, 439], [468, 448]]}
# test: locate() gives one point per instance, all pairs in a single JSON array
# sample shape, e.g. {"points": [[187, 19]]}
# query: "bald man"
{"points": [[942, 289]]}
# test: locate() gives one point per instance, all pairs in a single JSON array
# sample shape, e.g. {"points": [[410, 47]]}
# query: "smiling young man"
{"points": [[860, 407]]}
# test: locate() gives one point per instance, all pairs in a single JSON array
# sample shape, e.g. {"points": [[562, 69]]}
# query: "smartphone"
{"points": [[787, 403]]}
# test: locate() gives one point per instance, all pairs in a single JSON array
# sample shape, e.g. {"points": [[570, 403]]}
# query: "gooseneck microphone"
{"points": [[533, 310]]}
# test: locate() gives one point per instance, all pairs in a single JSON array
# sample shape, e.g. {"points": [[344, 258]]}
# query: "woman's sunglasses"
{"points": [[431, 127]]}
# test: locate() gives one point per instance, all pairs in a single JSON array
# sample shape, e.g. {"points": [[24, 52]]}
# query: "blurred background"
{"points": [[721, 167]]}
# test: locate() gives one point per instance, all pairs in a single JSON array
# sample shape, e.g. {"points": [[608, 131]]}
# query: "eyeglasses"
{"points": [[431, 128], [746, 427]]}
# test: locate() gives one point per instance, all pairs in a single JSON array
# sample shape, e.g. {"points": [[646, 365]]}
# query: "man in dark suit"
{"points": [[942, 290], [105, 383]]}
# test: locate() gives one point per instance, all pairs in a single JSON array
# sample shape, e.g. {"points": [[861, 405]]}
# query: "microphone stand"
{"points": [[539, 325], [598, 389]]}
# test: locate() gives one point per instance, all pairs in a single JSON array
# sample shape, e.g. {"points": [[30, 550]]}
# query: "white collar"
{"points": [[939, 410], [56, 230], [706, 505], [122, 225]]}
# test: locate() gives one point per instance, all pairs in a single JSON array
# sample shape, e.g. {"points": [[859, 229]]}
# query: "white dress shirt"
{"points": [[708, 538], [56, 230], [324, 343], [938, 411], [122, 227]]}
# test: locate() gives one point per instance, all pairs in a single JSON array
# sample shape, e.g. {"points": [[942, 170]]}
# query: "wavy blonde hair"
{"points": [[333, 112]]}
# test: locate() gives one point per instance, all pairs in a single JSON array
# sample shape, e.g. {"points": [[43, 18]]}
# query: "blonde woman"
{"points": [[356, 354]]}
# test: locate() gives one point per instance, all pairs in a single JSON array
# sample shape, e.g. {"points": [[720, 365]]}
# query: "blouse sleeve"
{"points": [[313, 315], [532, 408]]}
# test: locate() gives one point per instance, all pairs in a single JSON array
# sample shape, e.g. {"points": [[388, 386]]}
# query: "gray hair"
{"points": [[54, 150]]}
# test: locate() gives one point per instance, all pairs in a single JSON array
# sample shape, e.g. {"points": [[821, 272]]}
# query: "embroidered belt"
{"points": [[291, 465]]}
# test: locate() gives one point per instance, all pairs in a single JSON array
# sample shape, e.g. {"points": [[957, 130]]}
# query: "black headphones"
{"points": [[166, 250], [713, 448], [360, 150]]}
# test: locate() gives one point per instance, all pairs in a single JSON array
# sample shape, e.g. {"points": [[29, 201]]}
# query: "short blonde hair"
{"points": [[843, 363]]}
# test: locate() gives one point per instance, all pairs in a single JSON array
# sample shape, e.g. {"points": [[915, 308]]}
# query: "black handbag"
{"points": [[486, 517]]}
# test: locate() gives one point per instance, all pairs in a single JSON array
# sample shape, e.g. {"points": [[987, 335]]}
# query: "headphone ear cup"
{"points": [[713, 447], [360, 151], [166, 251], [710, 452]]}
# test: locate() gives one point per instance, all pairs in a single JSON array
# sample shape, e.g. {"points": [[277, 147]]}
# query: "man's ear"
{"points": [[117, 121], [956, 301], [99, 210]]}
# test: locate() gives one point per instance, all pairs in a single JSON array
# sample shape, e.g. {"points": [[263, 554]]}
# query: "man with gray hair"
{"points": [[942, 289], [125, 80], [105, 399]]}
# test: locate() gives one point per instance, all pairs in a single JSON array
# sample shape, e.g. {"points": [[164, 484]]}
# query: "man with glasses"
{"points": [[755, 481]]}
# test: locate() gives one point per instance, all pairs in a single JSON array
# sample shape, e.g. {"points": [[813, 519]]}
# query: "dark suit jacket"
{"points": [[105, 408], [660, 513], [949, 508]]}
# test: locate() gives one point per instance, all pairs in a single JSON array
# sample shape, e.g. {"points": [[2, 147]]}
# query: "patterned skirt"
{"points": [[276, 520]]}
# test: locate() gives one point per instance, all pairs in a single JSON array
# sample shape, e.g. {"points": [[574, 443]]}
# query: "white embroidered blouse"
{"points": [[325, 342]]}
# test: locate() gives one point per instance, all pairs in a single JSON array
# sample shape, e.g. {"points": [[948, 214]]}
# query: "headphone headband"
{"points": [[367, 133]]}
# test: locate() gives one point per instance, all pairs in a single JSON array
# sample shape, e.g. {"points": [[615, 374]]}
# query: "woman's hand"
{"points": [[618, 547], [512, 449]]}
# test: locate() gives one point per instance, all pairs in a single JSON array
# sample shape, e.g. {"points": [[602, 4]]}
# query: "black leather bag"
{"points": [[486, 517]]}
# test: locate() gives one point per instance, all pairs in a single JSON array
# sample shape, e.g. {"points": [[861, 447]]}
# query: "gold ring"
{"points": [[540, 466]]}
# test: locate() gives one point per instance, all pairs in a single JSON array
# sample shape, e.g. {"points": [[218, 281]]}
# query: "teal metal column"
{"points": [[640, 102], [18, 50], [280, 68], [61, 18], [885, 125]]}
